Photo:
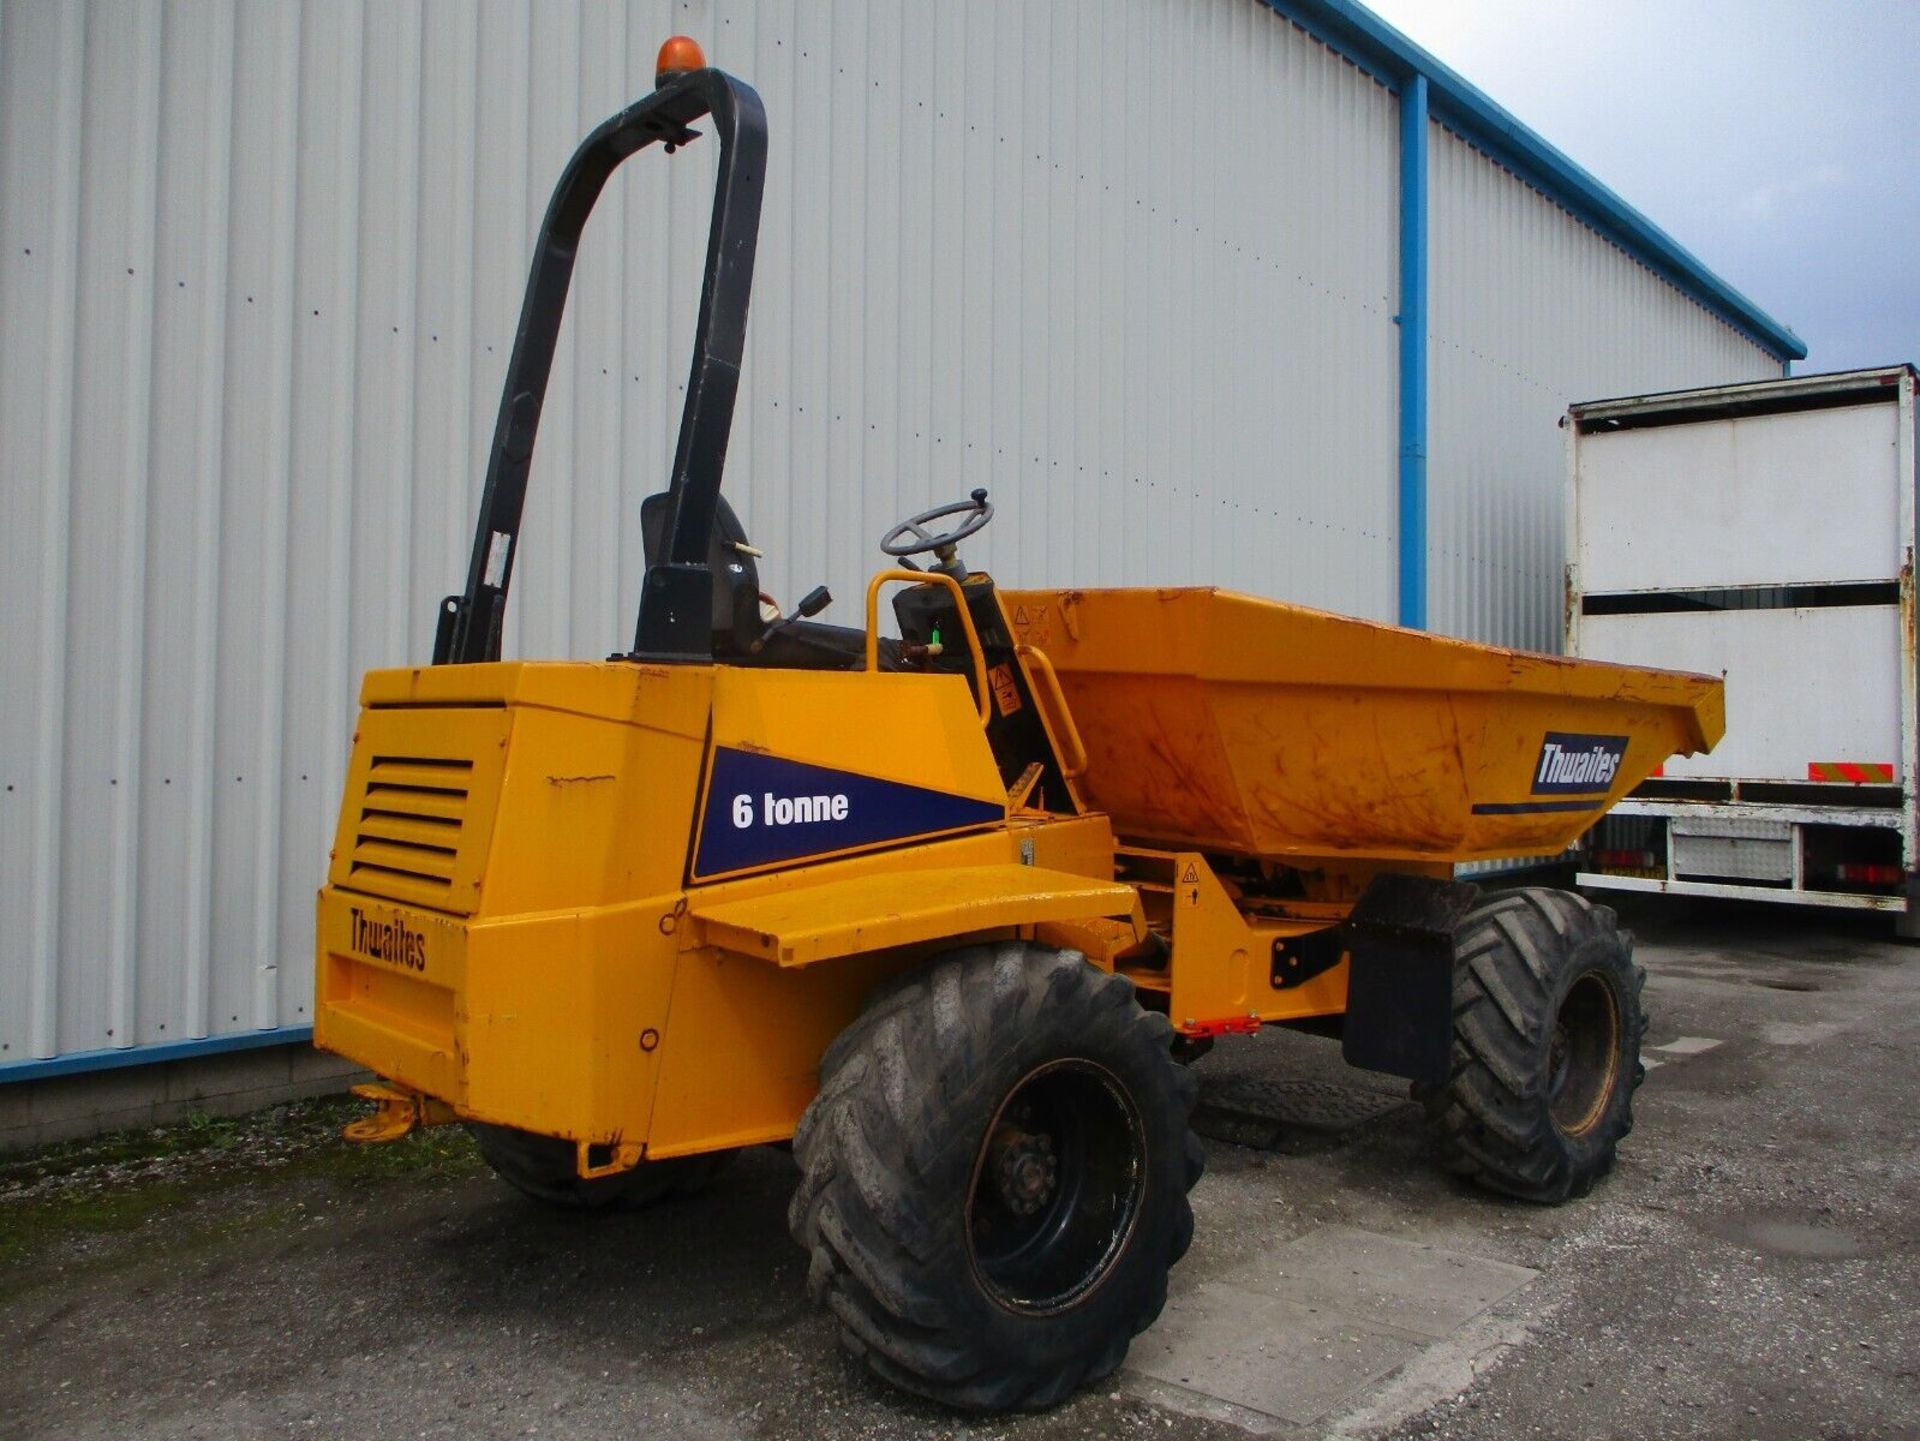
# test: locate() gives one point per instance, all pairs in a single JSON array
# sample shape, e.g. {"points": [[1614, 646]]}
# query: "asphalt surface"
{"points": [[1750, 1269]]}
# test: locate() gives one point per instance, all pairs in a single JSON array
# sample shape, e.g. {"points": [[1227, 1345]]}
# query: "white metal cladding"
{"points": [[1747, 500], [1815, 684], [1128, 263], [1530, 310]]}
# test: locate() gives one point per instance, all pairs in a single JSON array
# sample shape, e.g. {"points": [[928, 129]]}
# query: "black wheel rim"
{"points": [[1583, 1055], [1056, 1188]]}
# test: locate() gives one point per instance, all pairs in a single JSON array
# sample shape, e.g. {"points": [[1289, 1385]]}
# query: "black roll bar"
{"points": [[676, 600]]}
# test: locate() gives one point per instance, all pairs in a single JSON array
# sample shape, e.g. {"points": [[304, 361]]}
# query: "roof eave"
{"points": [[1384, 52]]}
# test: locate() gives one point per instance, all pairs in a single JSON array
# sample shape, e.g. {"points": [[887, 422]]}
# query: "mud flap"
{"points": [[1400, 992], [1906, 924]]}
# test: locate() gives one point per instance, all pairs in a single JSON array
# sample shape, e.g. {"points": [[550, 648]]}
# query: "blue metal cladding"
{"points": [[77, 1062], [1413, 353]]}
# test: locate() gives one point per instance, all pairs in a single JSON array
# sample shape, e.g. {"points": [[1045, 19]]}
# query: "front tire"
{"points": [[1547, 1021], [545, 1169], [994, 1177]]}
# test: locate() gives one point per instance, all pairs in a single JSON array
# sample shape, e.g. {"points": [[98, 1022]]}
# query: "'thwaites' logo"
{"points": [[391, 941], [1577, 764]]}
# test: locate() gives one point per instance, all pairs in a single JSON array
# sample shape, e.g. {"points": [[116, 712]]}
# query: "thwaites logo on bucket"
{"points": [[1577, 764]]}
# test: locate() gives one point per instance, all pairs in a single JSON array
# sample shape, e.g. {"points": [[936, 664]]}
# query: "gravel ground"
{"points": [[1749, 1270]]}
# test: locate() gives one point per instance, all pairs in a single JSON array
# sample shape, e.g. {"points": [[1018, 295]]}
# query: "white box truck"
{"points": [[1764, 532]]}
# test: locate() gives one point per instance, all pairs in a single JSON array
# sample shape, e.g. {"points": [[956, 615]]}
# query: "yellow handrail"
{"points": [[1062, 715], [922, 577]]}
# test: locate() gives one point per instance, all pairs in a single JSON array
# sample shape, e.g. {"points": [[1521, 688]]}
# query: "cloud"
{"points": [[1764, 202]]}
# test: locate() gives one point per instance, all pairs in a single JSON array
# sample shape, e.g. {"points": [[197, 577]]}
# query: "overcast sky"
{"points": [[1774, 140]]}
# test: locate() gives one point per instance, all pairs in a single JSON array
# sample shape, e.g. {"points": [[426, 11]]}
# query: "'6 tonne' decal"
{"points": [[762, 810]]}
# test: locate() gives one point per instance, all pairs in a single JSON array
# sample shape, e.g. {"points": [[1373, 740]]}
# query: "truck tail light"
{"points": [[1859, 873], [1626, 860]]}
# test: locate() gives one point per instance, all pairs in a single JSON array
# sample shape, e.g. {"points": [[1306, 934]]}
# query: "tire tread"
{"points": [[880, 1245], [1491, 1118]]}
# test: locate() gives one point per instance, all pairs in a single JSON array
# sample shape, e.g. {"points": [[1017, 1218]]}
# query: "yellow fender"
{"points": [[862, 914]]}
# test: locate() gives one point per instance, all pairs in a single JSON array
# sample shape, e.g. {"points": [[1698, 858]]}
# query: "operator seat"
{"points": [[740, 635], [736, 581]]}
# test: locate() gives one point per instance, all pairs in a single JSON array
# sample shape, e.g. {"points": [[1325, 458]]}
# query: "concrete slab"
{"points": [[1799, 1033], [35, 1113], [1266, 1355], [16, 1108], [1406, 1285], [233, 1074], [109, 1092], [1308, 1327], [1689, 1045]]}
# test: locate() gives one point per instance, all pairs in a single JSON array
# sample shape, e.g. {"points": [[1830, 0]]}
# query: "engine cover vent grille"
{"points": [[420, 802], [413, 811]]}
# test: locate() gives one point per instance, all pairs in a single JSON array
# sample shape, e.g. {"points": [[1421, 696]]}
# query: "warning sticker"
{"points": [[1856, 772], [1191, 875], [1006, 693]]}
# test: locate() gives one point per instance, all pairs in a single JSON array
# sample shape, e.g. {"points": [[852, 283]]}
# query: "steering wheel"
{"points": [[896, 542]]}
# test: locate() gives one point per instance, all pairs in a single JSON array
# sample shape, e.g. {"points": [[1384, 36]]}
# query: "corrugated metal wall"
{"points": [[1530, 311], [1129, 263]]}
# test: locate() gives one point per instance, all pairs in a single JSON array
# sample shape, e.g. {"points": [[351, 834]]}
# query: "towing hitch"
{"points": [[395, 1114]]}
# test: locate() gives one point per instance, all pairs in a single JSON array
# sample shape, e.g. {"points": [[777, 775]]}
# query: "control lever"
{"points": [[811, 604]]}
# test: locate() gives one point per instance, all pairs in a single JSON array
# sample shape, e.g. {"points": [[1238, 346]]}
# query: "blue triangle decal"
{"points": [[763, 809]]}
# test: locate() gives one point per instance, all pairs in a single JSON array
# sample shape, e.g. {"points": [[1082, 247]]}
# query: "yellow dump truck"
{"points": [[951, 911]]}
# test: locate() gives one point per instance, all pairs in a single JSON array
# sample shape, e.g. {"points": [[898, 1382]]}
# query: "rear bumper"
{"points": [[547, 1022], [1728, 890], [389, 985]]}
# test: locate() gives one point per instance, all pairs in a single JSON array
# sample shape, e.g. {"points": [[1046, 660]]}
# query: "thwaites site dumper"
{"points": [[951, 912]]}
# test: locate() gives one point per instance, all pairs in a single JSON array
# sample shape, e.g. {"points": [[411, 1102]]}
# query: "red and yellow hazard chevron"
{"points": [[1858, 772]]}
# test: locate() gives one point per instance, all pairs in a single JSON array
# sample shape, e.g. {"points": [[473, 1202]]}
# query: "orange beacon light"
{"points": [[678, 56]]}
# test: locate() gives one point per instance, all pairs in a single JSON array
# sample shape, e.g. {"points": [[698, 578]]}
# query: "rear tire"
{"points": [[994, 1177], [1547, 1024], [544, 1168]]}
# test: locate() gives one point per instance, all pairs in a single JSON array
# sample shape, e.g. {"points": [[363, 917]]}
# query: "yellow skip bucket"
{"points": [[1222, 722]]}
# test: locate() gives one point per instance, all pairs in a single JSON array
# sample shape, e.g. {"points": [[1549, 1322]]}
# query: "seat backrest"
{"points": [[736, 580]]}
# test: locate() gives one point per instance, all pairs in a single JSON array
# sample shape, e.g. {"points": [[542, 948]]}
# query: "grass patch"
{"points": [[32, 1226], [116, 1184], [197, 1132], [435, 1153]]}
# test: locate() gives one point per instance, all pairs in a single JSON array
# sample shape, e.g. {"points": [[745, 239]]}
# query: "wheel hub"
{"points": [[1026, 1170], [1058, 1182], [1583, 1056]]}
